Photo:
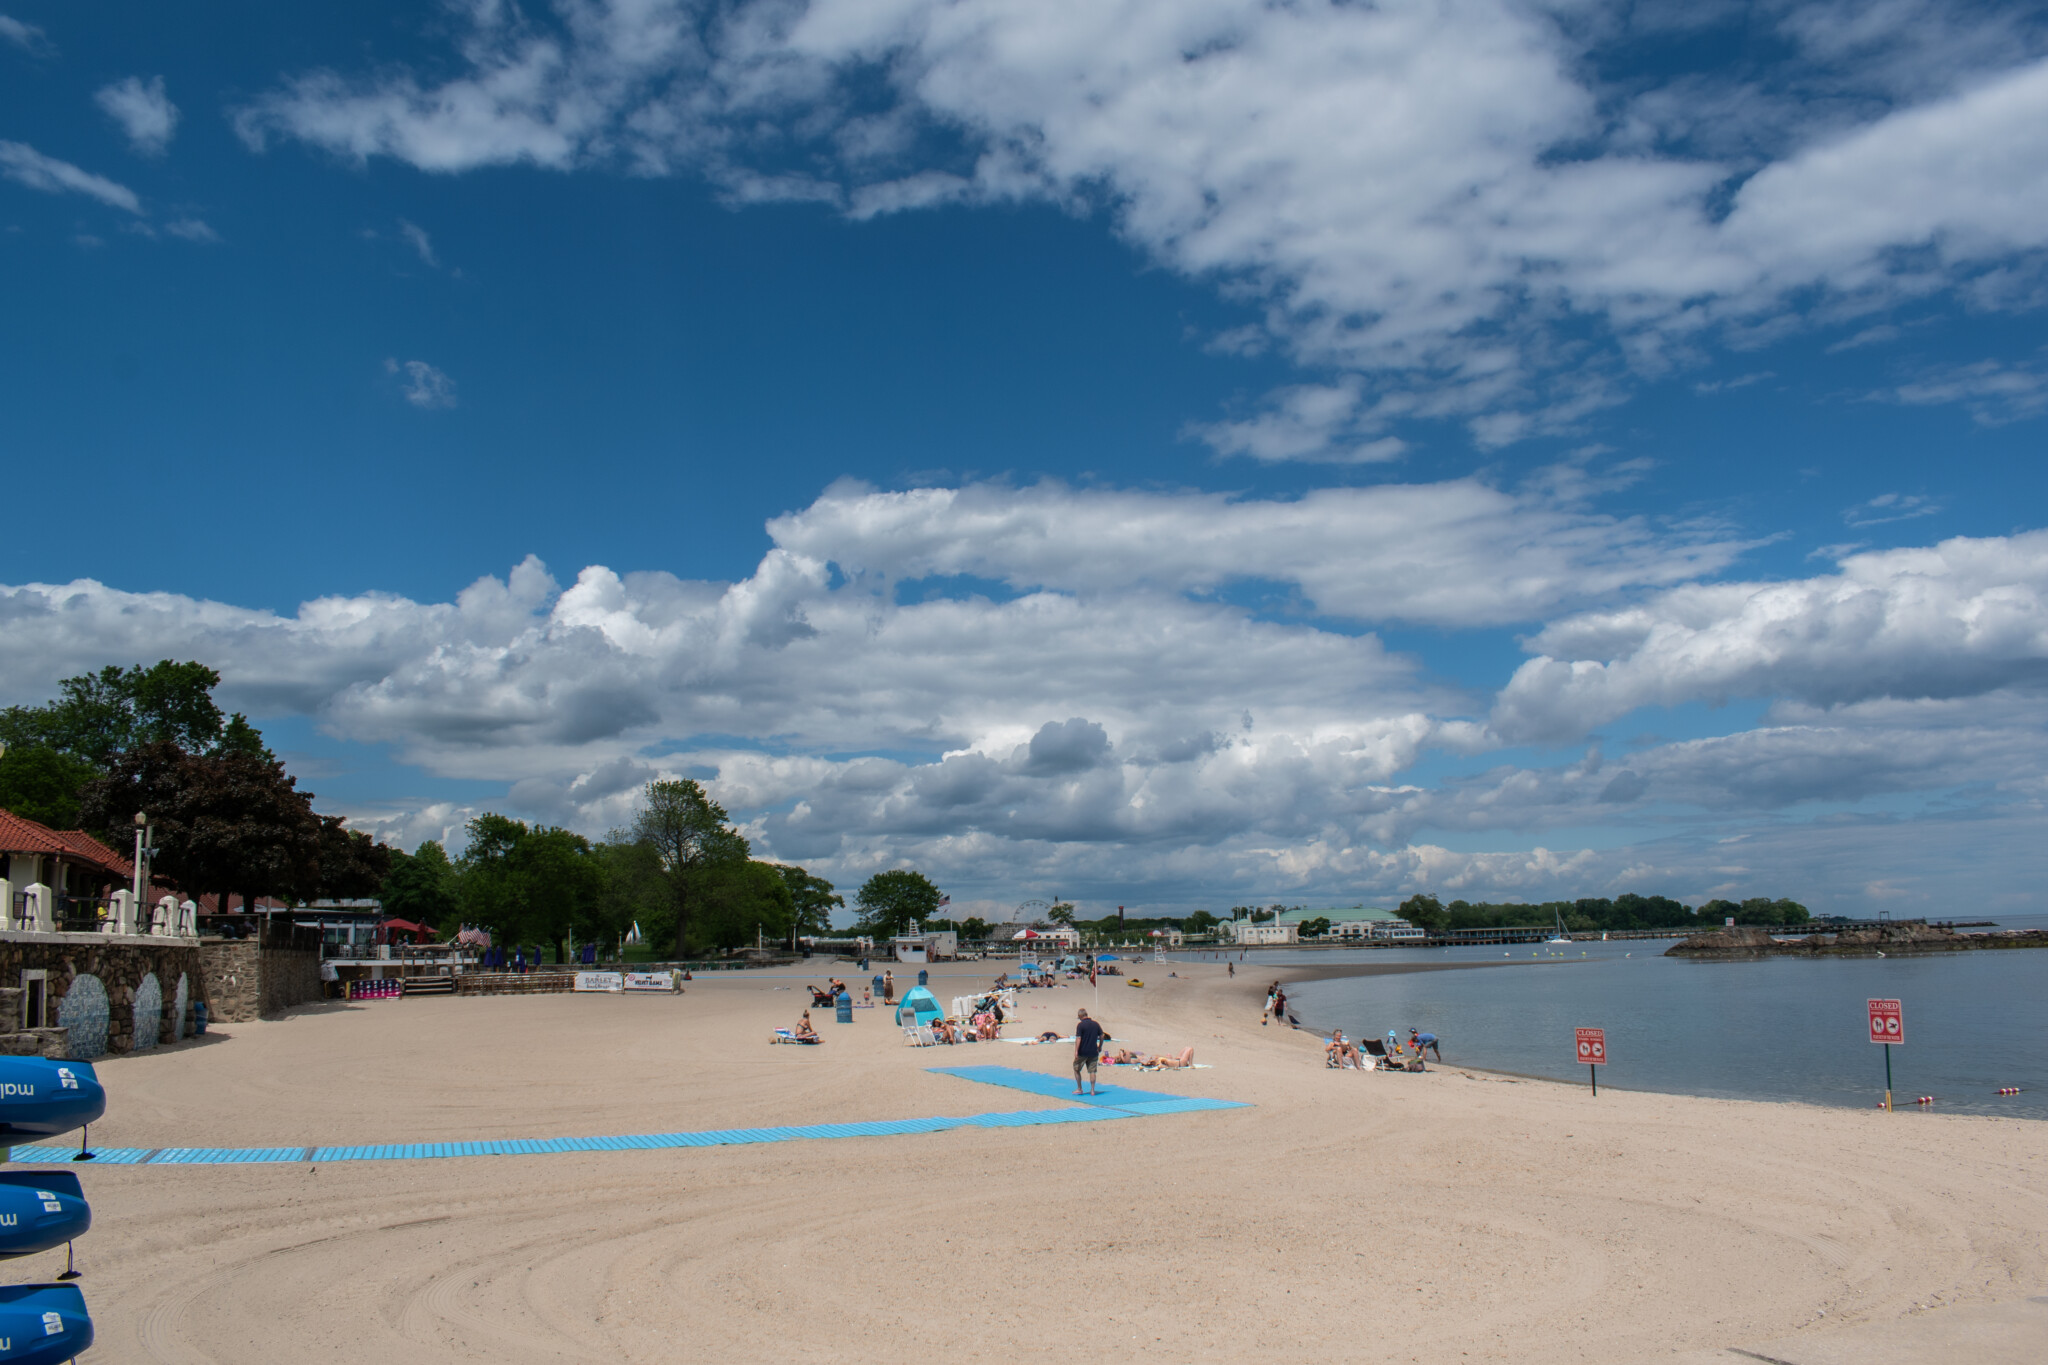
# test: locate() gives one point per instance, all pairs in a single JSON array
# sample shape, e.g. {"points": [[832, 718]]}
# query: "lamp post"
{"points": [[141, 837]]}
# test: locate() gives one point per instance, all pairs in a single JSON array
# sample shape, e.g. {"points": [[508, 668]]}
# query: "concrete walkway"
{"points": [[2002, 1334]]}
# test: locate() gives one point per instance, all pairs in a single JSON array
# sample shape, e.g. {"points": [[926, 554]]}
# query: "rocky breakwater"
{"points": [[1907, 936]]}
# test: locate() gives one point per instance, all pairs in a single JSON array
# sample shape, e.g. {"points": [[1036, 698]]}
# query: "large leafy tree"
{"points": [[99, 715], [741, 904], [696, 845], [42, 784], [54, 750], [530, 884], [230, 824], [812, 899], [890, 901], [421, 887], [1424, 912]]}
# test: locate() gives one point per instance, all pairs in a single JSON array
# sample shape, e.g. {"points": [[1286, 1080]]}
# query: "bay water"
{"points": [[1770, 1029]]}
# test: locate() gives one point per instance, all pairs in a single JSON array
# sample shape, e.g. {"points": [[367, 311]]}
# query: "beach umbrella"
{"points": [[1023, 933], [1107, 957]]}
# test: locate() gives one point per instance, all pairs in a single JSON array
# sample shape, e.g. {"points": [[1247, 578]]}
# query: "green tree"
{"points": [[1424, 912], [691, 835], [974, 929], [99, 715], [350, 865], [741, 904], [813, 899], [890, 901], [225, 824], [1062, 914], [42, 784], [421, 887], [1314, 928], [633, 890], [1200, 922], [530, 885]]}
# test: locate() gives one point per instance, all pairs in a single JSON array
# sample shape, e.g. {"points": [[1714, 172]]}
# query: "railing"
{"points": [[82, 914]]}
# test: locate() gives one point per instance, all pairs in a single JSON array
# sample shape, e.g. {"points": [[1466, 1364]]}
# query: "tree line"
{"points": [[1599, 913]]}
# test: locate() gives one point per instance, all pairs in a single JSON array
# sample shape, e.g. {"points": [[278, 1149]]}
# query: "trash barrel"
{"points": [[198, 1017], [845, 1002], [921, 975]]}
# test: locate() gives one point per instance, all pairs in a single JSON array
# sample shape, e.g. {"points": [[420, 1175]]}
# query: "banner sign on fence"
{"points": [[650, 981], [598, 981], [1887, 1022]]}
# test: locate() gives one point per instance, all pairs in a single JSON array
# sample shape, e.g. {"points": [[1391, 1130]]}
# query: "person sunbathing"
{"points": [[944, 1031], [1123, 1056], [803, 1027], [1165, 1063], [1343, 1052]]}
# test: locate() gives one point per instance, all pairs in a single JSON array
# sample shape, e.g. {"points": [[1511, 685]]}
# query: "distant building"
{"points": [[1356, 922]]}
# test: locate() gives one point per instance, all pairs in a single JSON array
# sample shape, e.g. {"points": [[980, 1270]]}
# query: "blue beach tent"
{"points": [[919, 1007], [43, 1323]]}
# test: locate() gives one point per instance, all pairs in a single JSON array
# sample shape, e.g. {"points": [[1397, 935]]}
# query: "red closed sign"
{"points": [[1887, 1022], [1592, 1046]]}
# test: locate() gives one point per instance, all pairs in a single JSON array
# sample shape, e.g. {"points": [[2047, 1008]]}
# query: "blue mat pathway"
{"points": [[1117, 1102]]}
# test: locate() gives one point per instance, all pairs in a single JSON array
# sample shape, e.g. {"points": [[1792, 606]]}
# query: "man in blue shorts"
{"points": [[1088, 1036], [1419, 1041]]}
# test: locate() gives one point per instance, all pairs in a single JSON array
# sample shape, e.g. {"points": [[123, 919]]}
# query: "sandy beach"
{"points": [[1448, 1216]]}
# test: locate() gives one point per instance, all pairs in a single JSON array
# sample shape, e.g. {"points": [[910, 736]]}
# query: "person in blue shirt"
{"points": [[1088, 1036], [1419, 1041]]}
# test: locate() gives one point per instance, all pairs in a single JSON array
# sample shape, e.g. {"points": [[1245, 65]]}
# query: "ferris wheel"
{"points": [[1028, 912]]}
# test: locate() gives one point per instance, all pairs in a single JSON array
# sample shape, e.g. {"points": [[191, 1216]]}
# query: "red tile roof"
{"points": [[19, 834]]}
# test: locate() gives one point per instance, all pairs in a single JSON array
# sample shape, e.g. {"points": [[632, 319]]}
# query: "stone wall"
{"points": [[262, 977], [95, 982]]}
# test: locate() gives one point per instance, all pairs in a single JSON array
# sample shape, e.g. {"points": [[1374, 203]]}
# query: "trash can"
{"points": [[845, 1002], [198, 1017], [921, 975]]}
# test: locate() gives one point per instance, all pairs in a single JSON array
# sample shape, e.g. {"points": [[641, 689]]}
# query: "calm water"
{"points": [[1779, 1029]]}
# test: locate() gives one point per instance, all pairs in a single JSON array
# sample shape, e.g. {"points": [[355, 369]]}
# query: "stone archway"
{"points": [[181, 1004], [149, 1013], [84, 1013]]}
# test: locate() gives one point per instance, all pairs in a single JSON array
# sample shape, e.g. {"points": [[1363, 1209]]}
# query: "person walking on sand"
{"points": [[1088, 1036], [888, 987], [1233, 969]]}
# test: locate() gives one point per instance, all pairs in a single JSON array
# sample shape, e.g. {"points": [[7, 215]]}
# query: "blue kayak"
{"points": [[41, 1324], [40, 1210], [42, 1098]]}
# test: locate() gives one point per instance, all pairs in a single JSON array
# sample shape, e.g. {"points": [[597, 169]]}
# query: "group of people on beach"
{"points": [[1343, 1054]]}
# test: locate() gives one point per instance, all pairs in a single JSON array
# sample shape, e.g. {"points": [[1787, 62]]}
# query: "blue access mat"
{"points": [[1054, 1087]]}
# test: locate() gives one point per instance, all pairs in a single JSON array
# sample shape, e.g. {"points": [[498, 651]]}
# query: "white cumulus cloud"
{"points": [[144, 112], [1961, 618], [25, 165], [1433, 198]]}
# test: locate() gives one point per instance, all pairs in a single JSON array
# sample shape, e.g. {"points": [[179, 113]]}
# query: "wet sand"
{"points": [[1448, 1216]]}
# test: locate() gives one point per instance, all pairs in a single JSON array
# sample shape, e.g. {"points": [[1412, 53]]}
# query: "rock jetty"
{"points": [[1907, 936]]}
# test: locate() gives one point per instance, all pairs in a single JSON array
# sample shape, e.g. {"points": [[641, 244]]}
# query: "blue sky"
{"points": [[1169, 454]]}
